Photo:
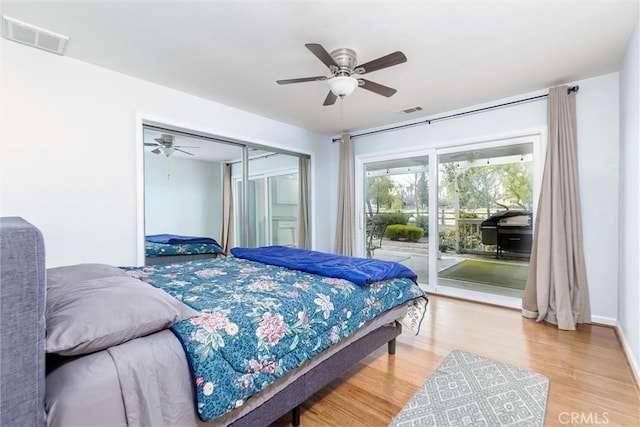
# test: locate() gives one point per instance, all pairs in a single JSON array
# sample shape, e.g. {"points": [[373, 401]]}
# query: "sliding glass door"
{"points": [[460, 216], [485, 218], [396, 200]]}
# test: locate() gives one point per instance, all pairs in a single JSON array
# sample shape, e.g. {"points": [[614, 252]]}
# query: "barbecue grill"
{"points": [[509, 230]]}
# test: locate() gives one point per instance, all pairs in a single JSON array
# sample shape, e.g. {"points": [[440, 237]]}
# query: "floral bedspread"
{"points": [[161, 249], [259, 321]]}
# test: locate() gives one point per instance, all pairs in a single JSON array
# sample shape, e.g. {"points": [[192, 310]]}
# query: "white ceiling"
{"points": [[460, 53]]}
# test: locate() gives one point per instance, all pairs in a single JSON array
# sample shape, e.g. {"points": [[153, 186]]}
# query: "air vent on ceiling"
{"points": [[18, 31], [411, 110]]}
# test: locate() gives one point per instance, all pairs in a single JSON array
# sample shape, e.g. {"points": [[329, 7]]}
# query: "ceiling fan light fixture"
{"points": [[343, 85], [167, 151]]}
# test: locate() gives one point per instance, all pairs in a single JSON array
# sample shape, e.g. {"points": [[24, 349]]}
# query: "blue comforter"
{"points": [[257, 322], [161, 249], [361, 271], [173, 239]]}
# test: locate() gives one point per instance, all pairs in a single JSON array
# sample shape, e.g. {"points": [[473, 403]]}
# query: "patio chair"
{"points": [[375, 233]]}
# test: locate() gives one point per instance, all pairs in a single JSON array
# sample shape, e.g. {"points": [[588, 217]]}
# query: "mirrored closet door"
{"points": [[194, 186]]}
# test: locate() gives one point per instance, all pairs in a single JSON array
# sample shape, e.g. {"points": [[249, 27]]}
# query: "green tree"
{"points": [[486, 186], [379, 193], [449, 172], [516, 179], [397, 203], [480, 186], [477, 186], [422, 190]]}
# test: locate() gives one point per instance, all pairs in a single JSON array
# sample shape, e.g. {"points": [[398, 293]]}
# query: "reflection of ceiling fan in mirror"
{"points": [[166, 145], [346, 72]]}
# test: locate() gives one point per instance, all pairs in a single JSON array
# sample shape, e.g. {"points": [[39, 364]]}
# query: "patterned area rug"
{"points": [[470, 390]]}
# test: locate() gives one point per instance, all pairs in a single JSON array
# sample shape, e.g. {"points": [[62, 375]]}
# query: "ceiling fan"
{"points": [[166, 145], [346, 72]]}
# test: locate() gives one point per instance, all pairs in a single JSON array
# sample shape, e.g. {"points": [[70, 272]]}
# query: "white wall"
{"points": [[182, 196], [629, 300], [69, 158], [598, 134]]}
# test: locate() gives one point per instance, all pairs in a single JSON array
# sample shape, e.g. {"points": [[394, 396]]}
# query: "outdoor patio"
{"points": [[476, 272]]}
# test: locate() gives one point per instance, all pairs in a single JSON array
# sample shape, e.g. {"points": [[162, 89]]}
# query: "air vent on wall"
{"points": [[12, 29]]}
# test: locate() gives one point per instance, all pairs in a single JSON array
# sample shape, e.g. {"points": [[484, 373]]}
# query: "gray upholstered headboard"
{"points": [[22, 324]]}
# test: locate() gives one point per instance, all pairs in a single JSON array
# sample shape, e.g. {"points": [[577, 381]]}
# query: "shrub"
{"points": [[447, 239], [401, 231], [423, 222], [391, 218], [468, 215], [469, 242]]}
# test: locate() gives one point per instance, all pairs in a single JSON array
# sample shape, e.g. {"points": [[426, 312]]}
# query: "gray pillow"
{"points": [[62, 276], [91, 315]]}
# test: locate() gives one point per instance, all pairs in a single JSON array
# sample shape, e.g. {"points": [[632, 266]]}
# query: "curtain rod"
{"points": [[450, 116], [264, 156]]}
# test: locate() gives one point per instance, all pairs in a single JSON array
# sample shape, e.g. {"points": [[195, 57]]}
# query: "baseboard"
{"points": [[631, 359], [602, 320]]}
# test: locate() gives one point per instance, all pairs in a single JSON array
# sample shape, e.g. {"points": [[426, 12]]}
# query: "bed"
{"points": [[175, 384], [170, 248]]}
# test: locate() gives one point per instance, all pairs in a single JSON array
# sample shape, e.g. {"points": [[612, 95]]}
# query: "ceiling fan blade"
{"points": [[150, 144], [182, 151], [389, 60], [156, 151], [301, 80], [330, 99], [184, 146], [377, 88], [322, 54]]}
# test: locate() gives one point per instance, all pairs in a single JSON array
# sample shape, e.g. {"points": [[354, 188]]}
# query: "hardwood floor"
{"points": [[591, 381]]}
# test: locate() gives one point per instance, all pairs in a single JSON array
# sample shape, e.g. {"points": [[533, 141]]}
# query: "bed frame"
{"points": [[305, 386], [22, 336]]}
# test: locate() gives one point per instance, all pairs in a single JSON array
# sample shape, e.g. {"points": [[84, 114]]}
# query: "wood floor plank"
{"points": [[590, 379]]}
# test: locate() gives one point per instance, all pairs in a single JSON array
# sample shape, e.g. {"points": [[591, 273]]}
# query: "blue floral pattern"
{"points": [[258, 322], [161, 249]]}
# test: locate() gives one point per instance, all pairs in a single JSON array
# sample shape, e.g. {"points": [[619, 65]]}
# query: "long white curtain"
{"points": [[345, 230], [226, 233], [303, 203], [556, 289]]}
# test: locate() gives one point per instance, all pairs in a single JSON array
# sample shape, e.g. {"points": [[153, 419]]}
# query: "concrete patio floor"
{"points": [[415, 255]]}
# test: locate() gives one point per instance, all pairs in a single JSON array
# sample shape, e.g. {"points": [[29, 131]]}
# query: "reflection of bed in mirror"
{"points": [[171, 248], [182, 196]]}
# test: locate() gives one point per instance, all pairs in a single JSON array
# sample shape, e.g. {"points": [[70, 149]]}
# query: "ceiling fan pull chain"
{"points": [[342, 113]]}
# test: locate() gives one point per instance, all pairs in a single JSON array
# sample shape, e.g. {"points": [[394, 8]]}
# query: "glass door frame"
{"points": [[360, 164], [237, 179], [536, 136]]}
